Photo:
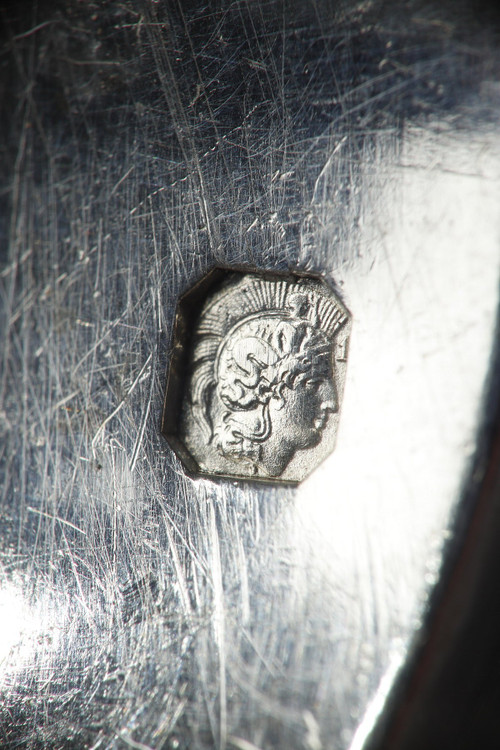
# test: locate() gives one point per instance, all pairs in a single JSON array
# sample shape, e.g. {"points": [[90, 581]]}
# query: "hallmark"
{"points": [[257, 392]]}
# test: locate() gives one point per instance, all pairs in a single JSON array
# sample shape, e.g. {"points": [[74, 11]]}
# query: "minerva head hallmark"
{"points": [[256, 375]]}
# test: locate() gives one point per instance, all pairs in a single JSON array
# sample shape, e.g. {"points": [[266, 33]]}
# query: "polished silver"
{"points": [[143, 605], [266, 371]]}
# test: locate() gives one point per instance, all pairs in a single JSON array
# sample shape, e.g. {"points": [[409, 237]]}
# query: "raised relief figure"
{"points": [[265, 377]]}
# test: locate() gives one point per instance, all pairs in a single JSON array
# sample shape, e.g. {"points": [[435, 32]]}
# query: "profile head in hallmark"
{"points": [[263, 383]]}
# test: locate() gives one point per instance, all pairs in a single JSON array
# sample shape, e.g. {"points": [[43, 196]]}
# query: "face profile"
{"points": [[274, 390], [263, 381]]}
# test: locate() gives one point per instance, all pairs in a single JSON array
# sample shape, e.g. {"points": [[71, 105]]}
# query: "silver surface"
{"points": [[266, 358], [145, 144]]}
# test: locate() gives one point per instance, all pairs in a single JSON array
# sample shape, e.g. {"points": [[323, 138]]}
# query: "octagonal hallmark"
{"points": [[256, 375]]}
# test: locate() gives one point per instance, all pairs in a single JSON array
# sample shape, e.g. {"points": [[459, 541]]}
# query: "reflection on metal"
{"points": [[144, 144], [255, 386]]}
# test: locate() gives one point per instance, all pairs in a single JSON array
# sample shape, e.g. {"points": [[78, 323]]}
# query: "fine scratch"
{"points": [[123, 401]]}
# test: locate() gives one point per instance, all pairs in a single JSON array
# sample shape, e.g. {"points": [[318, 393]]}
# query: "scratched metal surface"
{"points": [[141, 144]]}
